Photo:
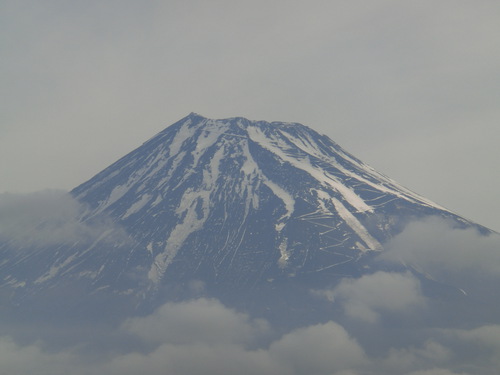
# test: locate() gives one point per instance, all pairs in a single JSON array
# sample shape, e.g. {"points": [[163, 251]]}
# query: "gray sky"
{"points": [[410, 87]]}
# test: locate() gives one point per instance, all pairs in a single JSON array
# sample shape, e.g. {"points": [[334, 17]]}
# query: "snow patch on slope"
{"points": [[136, 206], [194, 208], [182, 134], [250, 168], [309, 146], [190, 223], [289, 204], [354, 223], [279, 148], [207, 138]]}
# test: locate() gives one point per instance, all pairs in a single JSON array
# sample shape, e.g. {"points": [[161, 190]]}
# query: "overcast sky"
{"points": [[410, 87]]}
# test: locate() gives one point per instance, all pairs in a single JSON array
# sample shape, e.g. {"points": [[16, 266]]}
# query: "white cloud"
{"points": [[32, 359], [370, 296], [199, 337], [489, 335], [431, 353], [436, 371], [48, 217], [320, 349], [480, 346], [198, 321], [448, 254], [204, 337], [189, 341], [196, 359]]}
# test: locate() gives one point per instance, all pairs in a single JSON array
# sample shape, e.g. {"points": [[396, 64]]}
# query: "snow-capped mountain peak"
{"points": [[229, 202]]}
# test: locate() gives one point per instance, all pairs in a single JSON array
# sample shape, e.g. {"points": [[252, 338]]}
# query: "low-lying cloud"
{"points": [[189, 342], [371, 295], [437, 244], [319, 349], [203, 336], [463, 258], [46, 218], [204, 321]]}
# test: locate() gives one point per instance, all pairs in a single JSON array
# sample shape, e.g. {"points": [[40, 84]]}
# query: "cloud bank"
{"points": [[371, 295], [462, 258], [388, 324], [47, 218], [179, 348]]}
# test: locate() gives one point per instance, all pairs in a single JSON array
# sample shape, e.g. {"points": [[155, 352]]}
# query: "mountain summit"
{"points": [[226, 204], [241, 200]]}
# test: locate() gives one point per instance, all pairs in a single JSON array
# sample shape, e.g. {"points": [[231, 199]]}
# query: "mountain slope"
{"points": [[226, 204]]}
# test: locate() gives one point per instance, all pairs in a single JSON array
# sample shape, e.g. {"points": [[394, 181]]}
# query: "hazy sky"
{"points": [[410, 87]]}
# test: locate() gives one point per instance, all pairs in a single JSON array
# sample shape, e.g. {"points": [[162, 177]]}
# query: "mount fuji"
{"points": [[254, 213]]}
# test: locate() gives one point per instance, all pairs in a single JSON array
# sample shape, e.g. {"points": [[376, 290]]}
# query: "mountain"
{"points": [[251, 212]]}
